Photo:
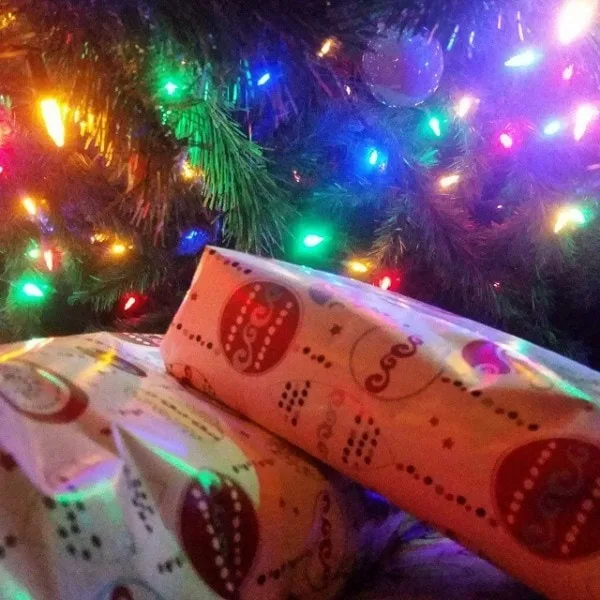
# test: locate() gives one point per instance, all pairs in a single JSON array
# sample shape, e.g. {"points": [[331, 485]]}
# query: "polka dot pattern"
{"points": [[72, 526], [440, 490], [237, 265], [293, 399], [320, 359], [487, 402], [362, 443], [140, 500], [285, 568], [198, 338], [252, 464], [171, 565]]}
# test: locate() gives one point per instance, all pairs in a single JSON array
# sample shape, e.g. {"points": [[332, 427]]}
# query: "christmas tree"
{"points": [[445, 150]]}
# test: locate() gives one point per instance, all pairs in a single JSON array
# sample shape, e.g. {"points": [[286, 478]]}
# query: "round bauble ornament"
{"points": [[403, 70]]}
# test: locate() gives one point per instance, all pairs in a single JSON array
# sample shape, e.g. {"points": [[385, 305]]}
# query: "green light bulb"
{"points": [[435, 126], [311, 240], [34, 253], [171, 87], [32, 290]]}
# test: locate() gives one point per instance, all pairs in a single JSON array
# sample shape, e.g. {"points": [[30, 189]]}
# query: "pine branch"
{"points": [[235, 177]]}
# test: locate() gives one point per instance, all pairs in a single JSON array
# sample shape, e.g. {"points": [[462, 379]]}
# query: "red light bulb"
{"points": [[385, 283], [130, 303]]}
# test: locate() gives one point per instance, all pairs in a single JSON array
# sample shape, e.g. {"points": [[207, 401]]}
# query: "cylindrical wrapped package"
{"points": [[117, 483], [491, 439]]}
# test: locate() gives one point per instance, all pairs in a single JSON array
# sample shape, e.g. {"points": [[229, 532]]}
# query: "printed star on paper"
{"points": [[434, 421], [448, 443], [336, 330]]}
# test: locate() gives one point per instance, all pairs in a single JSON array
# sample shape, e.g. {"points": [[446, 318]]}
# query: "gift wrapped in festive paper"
{"points": [[491, 439], [116, 483]]}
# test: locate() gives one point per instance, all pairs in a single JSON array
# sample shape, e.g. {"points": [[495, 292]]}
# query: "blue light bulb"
{"points": [[264, 78], [526, 58], [552, 128]]}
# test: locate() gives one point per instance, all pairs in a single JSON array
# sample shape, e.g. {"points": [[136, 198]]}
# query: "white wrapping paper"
{"points": [[116, 483]]}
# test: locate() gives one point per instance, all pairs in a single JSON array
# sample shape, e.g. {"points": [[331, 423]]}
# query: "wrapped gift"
{"points": [[491, 439], [117, 483]]}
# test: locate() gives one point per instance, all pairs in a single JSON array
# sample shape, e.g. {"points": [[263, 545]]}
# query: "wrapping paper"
{"points": [[117, 483], [491, 439]]}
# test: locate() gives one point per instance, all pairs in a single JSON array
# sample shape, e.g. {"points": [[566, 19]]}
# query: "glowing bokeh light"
{"points": [[326, 48], [49, 260], [118, 248], [29, 205], [34, 253], [552, 128], [527, 58], [569, 215], [506, 140], [574, 19], [568, 72], [373, 157], [171, 87], [435, 126], [449, 181], [464, 106], [130, 303], [385, 283], [264, 79], [584, 115], [358, 266], [312, 240], [32, 290], [53, 121]]}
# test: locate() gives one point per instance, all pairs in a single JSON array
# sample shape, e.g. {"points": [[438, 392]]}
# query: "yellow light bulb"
{"points": [[566, 216], [30, 206], [326, 47], [118, 248], [187, 171], [449, 181], [358, 266], [98, 238], [53, 120], [49, 259], [464, 106]]}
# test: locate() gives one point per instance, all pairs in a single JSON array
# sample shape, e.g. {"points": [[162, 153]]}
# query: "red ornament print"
{"points": [[219, 532], [548, 496], [258, 326], [40, 394]]}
